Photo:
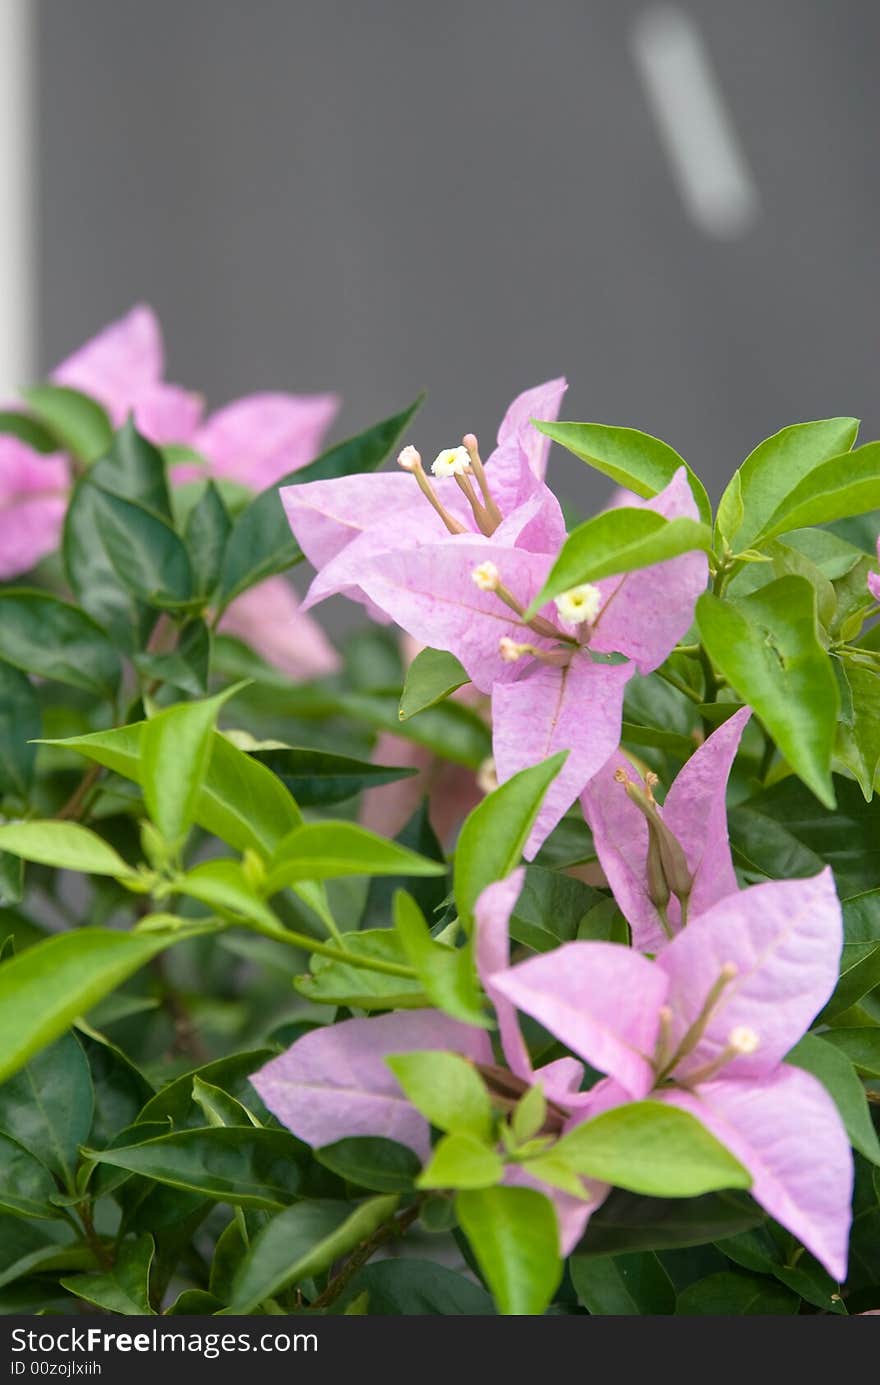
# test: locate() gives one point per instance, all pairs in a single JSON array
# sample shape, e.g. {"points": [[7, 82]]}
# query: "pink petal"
{"points": [[118, 366], [645, 613], [599, 999], [29, 531], [334, 1082], [26, 473], [561, 1080], [517, 430], [874, 578], [572, 1214], [409, 528], [695, 810], [268, 618], [451, 790], [430, 592], [578, 709], [261, 438], [325, 516], [784, 937], [166, 414], [787, 1132], [492, 913], [536, 523]]}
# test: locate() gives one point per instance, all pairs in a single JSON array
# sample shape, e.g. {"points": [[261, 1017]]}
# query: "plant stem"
{"points": [[93, 1240], [75, 806], [389, 1231], [336, 954], [679, 683]]}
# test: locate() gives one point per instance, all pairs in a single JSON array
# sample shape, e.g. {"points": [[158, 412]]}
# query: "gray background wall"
{"points": [[472, 196]]}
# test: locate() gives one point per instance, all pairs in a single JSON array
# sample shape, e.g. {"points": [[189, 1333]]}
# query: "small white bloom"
{"points": [[580, 604], [453, 461], [487, 778], [743, 1039], [409, 459], [486, 577], [510, 651]]}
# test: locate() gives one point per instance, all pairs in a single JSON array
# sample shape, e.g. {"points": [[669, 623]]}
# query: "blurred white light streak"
{"points": [[17, 154], [695, 127]]}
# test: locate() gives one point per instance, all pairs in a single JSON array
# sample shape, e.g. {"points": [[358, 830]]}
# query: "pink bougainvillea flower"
{"points": [[706, 1027], [334, 1081], [874, 578], [638, 842], [342, 524], [270, 619], [33, 499], [469, 593]]}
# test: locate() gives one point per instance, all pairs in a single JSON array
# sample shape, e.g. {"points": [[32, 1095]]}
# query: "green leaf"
{"points": [[20, 724], [767, 647], [47, 1106], [529, 1114], [28, 431], [619, 541], [839, 1078], [447, 1089], [42, 635], [370, 1161], [242, 1165], [43, 990], [858, 742], [207, 531], [632, 459], [648, 1147], [302, 1242], [224, 887], [623, 1285], [515, 1239], [78, 424], [461, 1161], [149, 558], [175, 749], [773, 470], [842, 487], [447, 974], [327, 850], [123, 1289], [628, 1222], [26, 1185], [550, 908], [731, 1294], [120, 1089], [859, 974], [492, 838], [185, 667], [193, 1303], [260, 543], [28, 1249], [318, 778], [346, 983], [861, 1046], [411, 1287], [175, 1103], [431, 677], [218, 1107], [65, 845]]}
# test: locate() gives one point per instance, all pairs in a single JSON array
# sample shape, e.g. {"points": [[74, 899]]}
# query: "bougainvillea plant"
{"points": [[595, 1027]]}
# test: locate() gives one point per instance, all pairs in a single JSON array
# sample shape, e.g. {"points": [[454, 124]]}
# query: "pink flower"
{"points": [[874, 578], [706, 1027], [632, 835], [33, 499]]}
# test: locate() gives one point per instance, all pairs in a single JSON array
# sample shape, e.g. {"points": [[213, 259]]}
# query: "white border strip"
{"points": [[694, 124], [17, 196]]}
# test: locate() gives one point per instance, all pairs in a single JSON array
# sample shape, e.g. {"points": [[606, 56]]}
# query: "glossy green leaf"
{"points": [[318, 778], [447, 1089], [767, 647], [218, 1107], [186, 667], [26, 1185], [861, 1047], [65, 845], [302, 1242], [383, 1166], [333, 982], [149, 558], [654, 1149], [20, 724], [326, 850], [550, 908], [619, 541], [859, 974], [47, 1106], [858, 737], [632, 459], [175, 750], [842, 487], [78, 423], [206, 534], [42, 635], [125, 1288], [731, 1294], [431, 677], [623, 1285], [412, 1287], [837, 1075], [491, 841], [120, 1089], [773, 470], [174, 1102], [260, 542], [514, 1237], [630, 1222], [447, 974], [461, 1161], [242, 1165]]}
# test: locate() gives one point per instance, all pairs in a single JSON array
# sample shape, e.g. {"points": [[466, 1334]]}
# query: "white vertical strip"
{"points": [[693, 122], [17, 194]]}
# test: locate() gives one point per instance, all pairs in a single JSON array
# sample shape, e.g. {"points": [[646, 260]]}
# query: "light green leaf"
{"points": [[447, 1089], [447, 974], [632, 459], [648, 1147], [303, 1242], [842, 487], [768, 649], [515, 1238], [462, 1161], [65, 845], [225, 888], [78, 423], [619, 541], [346, 983], [529, 1113], [218, 1107], [431, 677], [175, 750], [327, 850]]}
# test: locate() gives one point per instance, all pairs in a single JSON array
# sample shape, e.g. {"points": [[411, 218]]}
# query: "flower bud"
{"points": [[486, 577], [453, 461], [579, 605], [409, 459]]}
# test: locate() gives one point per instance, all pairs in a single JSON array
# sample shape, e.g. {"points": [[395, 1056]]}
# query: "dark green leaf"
{"points": [[372, 1162], [19, 724], [207, 530], [627, 1222], [149, 558], [318, 778], [26, 1185], [28, 431], [838, 1076], [123, 1289], [47, 1106], [623, 1284], [731, 1294], [40, 634], [407, 1286]]}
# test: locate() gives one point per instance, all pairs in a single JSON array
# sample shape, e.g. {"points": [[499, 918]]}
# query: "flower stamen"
{"points": [[471, 446], [411, 461], [741, 1042], [694, 1033]]}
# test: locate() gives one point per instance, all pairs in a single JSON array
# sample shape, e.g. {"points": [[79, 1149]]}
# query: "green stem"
{"points": [[336, 954], [386, 1232], [679, 683]]}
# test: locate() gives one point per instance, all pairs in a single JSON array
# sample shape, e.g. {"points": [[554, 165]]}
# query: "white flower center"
{"points": [[486, 577], [743, 1040], [580, 604], [453, 461]]}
